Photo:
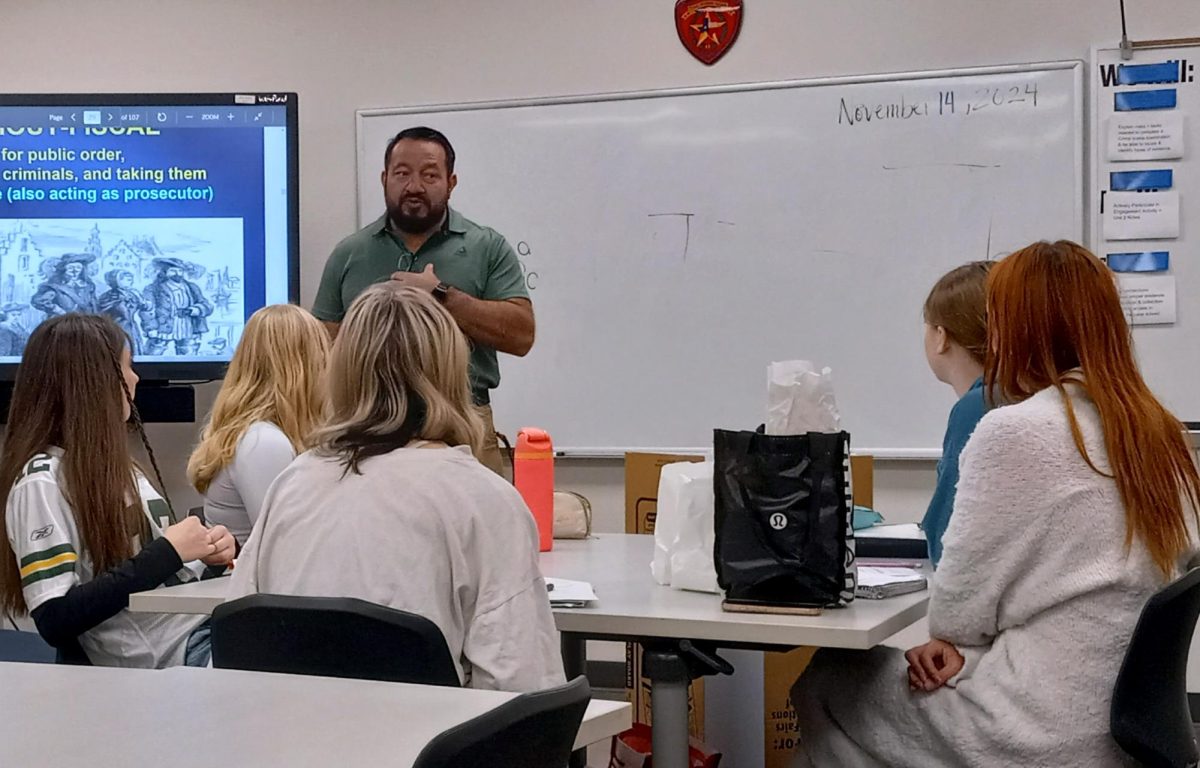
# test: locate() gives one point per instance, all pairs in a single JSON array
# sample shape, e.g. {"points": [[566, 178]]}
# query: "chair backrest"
{"points": [[330, 636], [534, 730], [1150, 717]]}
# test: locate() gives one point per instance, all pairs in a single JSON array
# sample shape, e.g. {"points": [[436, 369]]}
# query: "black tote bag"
{"points": [[784, 526]]}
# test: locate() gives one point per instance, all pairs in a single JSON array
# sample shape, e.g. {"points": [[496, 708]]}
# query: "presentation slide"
{"points": [[173, 220]]}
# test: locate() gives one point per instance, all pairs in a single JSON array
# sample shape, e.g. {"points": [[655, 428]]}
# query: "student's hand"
{"points": [[190, 539], [226, 546], [426, 281], [932, 664]]}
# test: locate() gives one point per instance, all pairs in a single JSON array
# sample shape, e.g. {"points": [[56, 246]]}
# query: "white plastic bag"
{"points": [[800, 399], [666, 523], [684, 529]]}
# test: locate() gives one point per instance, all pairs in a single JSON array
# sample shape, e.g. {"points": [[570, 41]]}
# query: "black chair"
{"points": [[1150, 718], [332, 637], [534, 730]]}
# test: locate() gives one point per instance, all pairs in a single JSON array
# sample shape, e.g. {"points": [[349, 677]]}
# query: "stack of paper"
{"points": [[875, 583], [565, 593]]}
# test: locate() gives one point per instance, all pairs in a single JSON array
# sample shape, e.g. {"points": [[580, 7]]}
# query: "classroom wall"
{"points": [[381, 53]]}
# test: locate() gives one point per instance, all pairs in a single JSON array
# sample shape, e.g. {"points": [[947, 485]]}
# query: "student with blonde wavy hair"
{"points": [[266, 412], [390, 506]]}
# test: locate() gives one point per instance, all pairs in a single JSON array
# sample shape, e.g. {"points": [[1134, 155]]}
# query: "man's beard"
{"points": [[174, 278], [414, 224]]}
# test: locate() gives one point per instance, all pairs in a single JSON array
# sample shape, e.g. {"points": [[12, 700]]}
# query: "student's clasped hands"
{"points": [[932, 664], [192, 541]]}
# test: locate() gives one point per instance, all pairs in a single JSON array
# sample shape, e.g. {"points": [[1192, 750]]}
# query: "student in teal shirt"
{"points": [[955, 346]]}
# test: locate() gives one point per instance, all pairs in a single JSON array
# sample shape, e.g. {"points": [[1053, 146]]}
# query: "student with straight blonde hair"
{"points": [[1076, 502], [390, 506], [265, 414]]}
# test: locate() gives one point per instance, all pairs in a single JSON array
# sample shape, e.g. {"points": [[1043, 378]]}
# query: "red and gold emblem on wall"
{"points": [[708, 28]]}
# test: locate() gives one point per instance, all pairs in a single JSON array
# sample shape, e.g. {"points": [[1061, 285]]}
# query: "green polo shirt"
{"points": [[474, 259]]}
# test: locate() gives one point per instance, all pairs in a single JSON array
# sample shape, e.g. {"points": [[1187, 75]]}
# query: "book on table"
{"points": [[878, 582]]}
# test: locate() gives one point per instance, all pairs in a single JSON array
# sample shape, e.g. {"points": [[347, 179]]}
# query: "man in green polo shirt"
{"points": [[422, 242]]}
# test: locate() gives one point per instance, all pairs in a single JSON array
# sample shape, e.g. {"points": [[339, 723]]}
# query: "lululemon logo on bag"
{"points": [[778, 521]]}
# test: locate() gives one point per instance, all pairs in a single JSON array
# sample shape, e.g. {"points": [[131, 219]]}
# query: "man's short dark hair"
{"points": [[421, 133]]}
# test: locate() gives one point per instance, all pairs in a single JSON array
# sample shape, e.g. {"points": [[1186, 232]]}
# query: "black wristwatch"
{"points": [[441, 291]]}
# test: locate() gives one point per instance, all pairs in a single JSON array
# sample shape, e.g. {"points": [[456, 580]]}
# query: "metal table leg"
{"points": [[671, 666], [574, 656], [669, 678]]}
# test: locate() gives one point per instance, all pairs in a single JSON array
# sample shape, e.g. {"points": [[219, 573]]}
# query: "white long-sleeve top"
{"points": [[1037, 590], [427, 530]]}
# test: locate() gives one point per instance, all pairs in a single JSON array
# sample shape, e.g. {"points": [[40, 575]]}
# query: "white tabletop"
{"points": [[195, 597], [200, 718], [632, 605]]}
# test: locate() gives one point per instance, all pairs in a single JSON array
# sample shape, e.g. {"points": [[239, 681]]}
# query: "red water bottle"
{"points": [[533, 474]]}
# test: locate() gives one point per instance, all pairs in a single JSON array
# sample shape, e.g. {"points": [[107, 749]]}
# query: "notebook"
{"points": [[565, 593], [876, 582]]}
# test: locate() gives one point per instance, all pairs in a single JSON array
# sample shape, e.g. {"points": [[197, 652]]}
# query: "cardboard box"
{"points": [[862, 484], [781, 729], [642, 472]]}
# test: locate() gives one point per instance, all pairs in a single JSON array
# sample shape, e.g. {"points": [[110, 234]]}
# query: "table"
{"points": [[679, 631], [199, 597], [632, 606], [199, 718]]}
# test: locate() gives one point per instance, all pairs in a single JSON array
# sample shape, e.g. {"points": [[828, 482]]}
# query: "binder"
{"points": [[904, 542]]}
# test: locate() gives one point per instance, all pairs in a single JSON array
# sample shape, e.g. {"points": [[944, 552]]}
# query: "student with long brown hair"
{"points": [[82, 523], [390, 506], [1077, 501], [955, 345], [268, 407]]}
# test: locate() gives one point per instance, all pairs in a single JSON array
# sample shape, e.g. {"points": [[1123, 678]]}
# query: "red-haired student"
{"points": [[1076, 502]]}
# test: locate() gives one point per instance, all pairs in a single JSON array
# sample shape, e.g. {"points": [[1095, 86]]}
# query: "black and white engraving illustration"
{"points": [[174, 285]]}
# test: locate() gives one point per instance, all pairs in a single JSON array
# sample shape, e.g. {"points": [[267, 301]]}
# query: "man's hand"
{"points": [[932, 664], [426, 281]]}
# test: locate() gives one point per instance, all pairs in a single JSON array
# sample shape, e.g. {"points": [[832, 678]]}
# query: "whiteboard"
{"points": [[1168, 355], [676, 242]]}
